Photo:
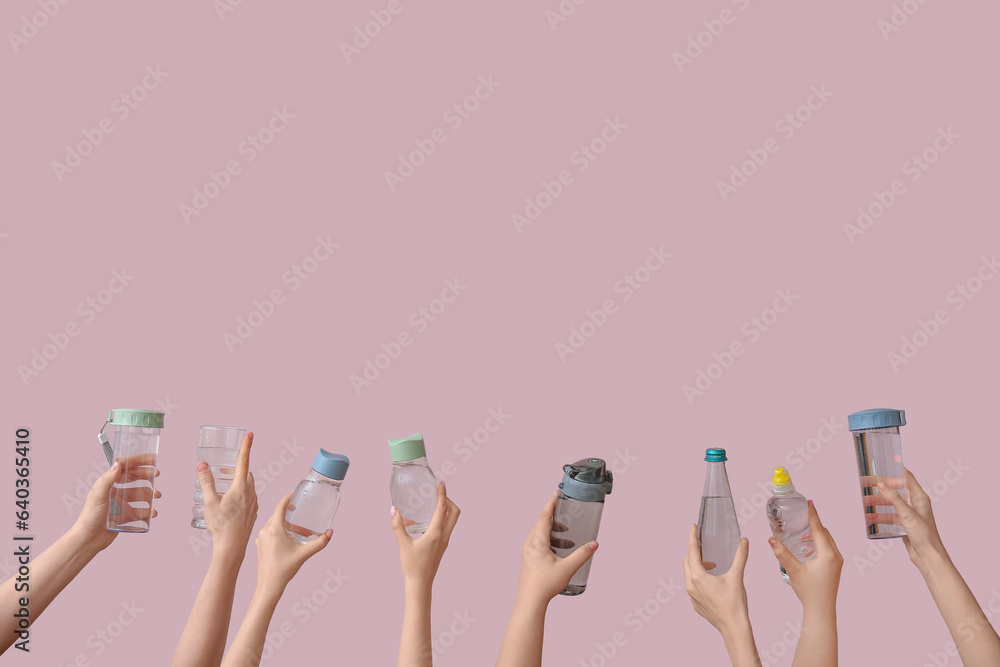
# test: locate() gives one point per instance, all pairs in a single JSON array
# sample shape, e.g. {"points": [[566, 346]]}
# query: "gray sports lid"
{"points": [[587, 479], [876, 418]]}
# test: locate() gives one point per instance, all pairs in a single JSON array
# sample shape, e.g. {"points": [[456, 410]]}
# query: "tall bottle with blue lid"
{"points": [[718, 528], [412, 484], [577, 516], [880, 459], [316, 499]]}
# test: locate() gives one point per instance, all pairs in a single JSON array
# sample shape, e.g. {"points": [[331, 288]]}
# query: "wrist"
{"points": [[227, 556], [85, 543]]}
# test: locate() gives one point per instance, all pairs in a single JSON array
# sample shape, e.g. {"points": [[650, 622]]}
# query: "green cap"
{"points": [[140, 418], [407, 449]]}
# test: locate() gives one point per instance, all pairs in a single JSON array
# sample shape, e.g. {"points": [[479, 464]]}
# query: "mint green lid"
{"points": [[139, 418], [407, 449]]}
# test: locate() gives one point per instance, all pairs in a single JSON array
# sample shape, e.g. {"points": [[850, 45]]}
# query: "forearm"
{"points": [[975, 639], [50, 573], [249, 643], [522, 642], [740, 645], [818, 642], [415, 643], [203, 642]]}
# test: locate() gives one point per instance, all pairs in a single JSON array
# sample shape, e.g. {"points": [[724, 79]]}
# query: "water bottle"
{"points": [[412, 485], [880, 459], [577, 516], [313, 505], [136, 441], [718, 529], [788, 514]]}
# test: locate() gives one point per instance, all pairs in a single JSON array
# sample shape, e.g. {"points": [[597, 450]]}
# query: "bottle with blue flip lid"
{"points": [[315, 500], [718, 528]]}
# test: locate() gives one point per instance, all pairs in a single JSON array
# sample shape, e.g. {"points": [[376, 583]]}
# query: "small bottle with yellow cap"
{"points": [[788, 513]]}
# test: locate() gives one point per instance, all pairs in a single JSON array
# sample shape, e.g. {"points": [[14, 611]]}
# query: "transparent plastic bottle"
{"points": [[788, 514], [880, 459], [718, 528], [412, 484], [314, 504], [577, 516]]}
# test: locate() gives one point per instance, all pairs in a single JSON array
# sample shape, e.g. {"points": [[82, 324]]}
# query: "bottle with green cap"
{"points": [[136, 441], [788, 514], [718, 528], [316, 499], [412, 484]]}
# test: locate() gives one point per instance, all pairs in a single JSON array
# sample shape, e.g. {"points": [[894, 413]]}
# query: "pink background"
{"points": [[160, 341]]}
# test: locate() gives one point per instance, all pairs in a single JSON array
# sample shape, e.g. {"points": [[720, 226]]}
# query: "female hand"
{"points": [[815, 582], [420, 556], [229, 517], [721, 600], [279, 557], [922, 540], [91, 525], [544, 574]]}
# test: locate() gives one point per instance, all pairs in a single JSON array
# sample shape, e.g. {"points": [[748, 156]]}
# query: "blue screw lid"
{"points": [[876, 418], [333, 466], [715, 455]]}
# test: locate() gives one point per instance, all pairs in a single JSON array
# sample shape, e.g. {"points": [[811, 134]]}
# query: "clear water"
{"points": [[880, 458], [130, 501], [222, 461], [575, 523], [413, 489], [314, 504], [718, 532], [789, 519]]}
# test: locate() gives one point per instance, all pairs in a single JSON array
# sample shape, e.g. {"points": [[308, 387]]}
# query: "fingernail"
{"points": [[392, 511], [745, 541], [329, 532], [202, 466], [555, 493], [593, 545], [114, 466], [811, 504], [773, 542], [443, 485]]}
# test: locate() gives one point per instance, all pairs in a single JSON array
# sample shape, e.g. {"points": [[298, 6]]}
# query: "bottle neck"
{"points": [[781, 490], [314, 476], [421, 461], [716, 480]]}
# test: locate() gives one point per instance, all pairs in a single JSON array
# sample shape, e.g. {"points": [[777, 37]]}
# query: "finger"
{"points": [[874, 518], [440, 510], [313, 547], [251, 483], [207, 482], [816, 528], [243, 459], [829, 539], [453, 513], [558, 527], [545, 518], [153, 515], [279, 511], [102, 487], [694, 551], [917, 496], [873, 480], [784, 556], [157, 494], [892, 495], [740, 557], [575, 560], [560, 543], [708, 565], [399, 528]]}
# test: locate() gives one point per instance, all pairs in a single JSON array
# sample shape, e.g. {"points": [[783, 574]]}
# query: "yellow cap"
{"points": [[780, 477]]}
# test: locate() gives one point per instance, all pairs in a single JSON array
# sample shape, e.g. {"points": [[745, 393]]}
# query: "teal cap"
{"points": [[715, 455], [407, 449], [331, 465], [139, 418]]}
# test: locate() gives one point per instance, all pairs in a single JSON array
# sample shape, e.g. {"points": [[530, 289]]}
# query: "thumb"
{"points": [[784, 556], [102, 487], [207, 481], [575, 560], [398, 528], [313, 547], [740, 557]]}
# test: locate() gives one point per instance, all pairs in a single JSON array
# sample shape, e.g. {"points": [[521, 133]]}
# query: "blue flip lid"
{"points": [[876, 418], [333, 466]]}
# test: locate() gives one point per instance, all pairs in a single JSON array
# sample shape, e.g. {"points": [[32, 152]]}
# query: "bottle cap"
{"points": [[138, 418], [330, 465], [876, 418], [587, 479], [781, 483], [715, 455], [407, 449]]}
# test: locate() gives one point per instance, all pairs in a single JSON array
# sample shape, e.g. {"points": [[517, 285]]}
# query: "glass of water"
{"points": [[218, 446]]}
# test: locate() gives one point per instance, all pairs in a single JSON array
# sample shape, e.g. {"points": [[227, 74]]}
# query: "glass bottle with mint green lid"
{"points": [[718, 528], [577, 516], [136, 443], [315, 500], [880, 459], [412, 484]]}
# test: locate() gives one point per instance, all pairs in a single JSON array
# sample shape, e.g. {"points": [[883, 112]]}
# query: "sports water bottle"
{"points": [[880, 459], [136, 441], [788, 513], [577, 516], [313, 505], [718, 529], [412, 485]]}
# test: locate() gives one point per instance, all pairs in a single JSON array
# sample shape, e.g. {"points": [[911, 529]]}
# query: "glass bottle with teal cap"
{"points": [[136, 441], [718, 528], [412, 484], [316, 499]]}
